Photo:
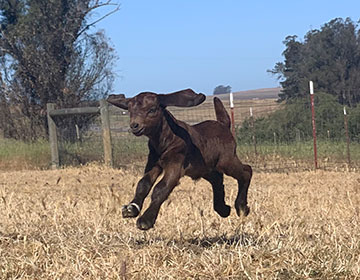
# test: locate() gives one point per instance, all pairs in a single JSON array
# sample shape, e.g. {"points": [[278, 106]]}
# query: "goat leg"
{"points": [[143, 188], [160, 193], [216, 180], [241, 199], [242, 173]]}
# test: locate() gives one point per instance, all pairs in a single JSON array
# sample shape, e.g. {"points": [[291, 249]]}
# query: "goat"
{"points": [[204, 150]]}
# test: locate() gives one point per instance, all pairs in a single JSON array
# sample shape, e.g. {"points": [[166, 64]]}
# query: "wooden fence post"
{"points": [[52, 137], [105, 124]]}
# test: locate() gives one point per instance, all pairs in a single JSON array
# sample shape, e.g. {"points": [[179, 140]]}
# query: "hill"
{"points": [[262, 93]]}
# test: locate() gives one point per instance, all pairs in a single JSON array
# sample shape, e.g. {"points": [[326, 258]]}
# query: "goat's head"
{"points": [[146, 108]]}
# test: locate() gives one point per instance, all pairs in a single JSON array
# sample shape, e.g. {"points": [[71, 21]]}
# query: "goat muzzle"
{"points": [[136, 129]]}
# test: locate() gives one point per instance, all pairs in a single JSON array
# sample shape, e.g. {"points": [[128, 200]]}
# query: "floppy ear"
{"points": [[182, 98], [118, 100]]}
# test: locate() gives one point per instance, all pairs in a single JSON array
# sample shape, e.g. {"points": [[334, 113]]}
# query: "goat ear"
{"points": [[182, 98], [118, 100]]}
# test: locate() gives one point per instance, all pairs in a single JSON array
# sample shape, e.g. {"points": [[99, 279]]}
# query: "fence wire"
{"points": [[79, 139], [79, 143]]}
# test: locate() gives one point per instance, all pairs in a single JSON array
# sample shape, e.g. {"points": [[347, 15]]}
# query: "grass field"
{"points": [[15, 155], [130, 151], [67, 224]]}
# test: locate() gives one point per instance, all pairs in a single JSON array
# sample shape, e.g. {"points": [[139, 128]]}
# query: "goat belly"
{"points": [[193, 174], [195, 171]]}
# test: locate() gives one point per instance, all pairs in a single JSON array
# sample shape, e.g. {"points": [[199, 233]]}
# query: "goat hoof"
{"points": [[224, 211], [245, 210], [130, 211], [143, 224]]}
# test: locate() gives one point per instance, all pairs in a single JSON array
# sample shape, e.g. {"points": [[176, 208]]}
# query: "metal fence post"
{"points": [[347, 136], [52, 137], [105, 124], [253, 128], [313, 121], [232, 115]]}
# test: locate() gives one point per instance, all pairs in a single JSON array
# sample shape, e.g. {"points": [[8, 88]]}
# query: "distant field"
{"points": [[67, 224], [261, 93]]}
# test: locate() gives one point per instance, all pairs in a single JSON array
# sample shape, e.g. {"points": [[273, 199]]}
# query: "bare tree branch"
{"points": [[101, 18]]}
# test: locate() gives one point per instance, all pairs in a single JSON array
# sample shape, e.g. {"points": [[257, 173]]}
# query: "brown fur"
{"points": [[205, 150]]}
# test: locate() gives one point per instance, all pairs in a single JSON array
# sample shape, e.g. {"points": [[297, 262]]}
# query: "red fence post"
{"points": [[232, 115], [313, 121]]}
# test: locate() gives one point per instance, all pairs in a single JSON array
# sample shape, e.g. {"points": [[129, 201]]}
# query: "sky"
{"points": [[165, 46]]}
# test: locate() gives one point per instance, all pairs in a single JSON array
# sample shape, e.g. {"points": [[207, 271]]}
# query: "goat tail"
{"points": [[222, 115]]}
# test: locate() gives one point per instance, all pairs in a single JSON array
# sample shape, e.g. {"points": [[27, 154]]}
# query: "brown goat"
{"points": [[205, 150]]}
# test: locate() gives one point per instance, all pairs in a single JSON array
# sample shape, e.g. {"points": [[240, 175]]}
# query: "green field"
{"points": [[18, 155]]}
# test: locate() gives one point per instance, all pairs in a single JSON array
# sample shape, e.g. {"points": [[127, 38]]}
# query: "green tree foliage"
{"points": [[49, 54], [221, 89], [330, 57], [293, 121]]}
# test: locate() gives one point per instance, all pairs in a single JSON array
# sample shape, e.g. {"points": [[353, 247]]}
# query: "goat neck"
{"points": [[163, 137]]}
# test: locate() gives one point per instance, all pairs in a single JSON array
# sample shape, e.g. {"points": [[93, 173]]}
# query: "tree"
{"points": [[295, 117], [48, 54], [330, 57], [222, 89]]}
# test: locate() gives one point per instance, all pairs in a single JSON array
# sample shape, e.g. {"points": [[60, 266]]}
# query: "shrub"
{"points": [[293, 122]]}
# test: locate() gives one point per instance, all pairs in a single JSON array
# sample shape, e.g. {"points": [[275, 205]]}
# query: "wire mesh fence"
{"points": [[79, 144], [79, 139]]}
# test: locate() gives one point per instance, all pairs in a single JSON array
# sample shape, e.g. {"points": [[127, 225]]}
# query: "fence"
{"points": [[275, 152], [52, 113]]}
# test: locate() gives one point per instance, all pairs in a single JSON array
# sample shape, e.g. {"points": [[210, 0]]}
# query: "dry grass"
{"points": [[67, 224]]}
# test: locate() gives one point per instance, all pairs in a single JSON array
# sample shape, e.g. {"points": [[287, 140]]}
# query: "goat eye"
{"points": [[152, 110]]}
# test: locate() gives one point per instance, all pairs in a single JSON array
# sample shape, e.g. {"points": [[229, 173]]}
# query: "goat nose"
{"points": [[134, 125]]}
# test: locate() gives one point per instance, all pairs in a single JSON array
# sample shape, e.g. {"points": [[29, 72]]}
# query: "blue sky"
{"points": [[164, 46]]}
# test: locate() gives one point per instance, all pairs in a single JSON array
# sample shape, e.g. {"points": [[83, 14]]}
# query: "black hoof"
{"points": [[224, 211], [130, 211], [143, 224], [245, 210]]}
